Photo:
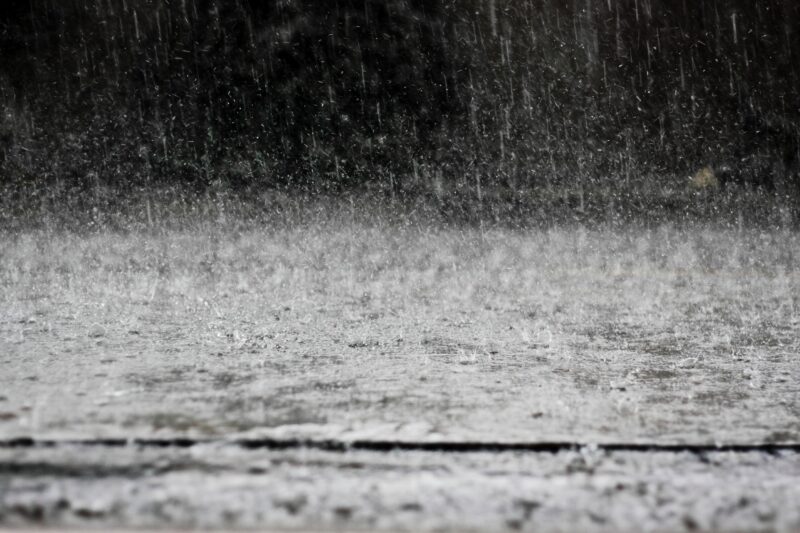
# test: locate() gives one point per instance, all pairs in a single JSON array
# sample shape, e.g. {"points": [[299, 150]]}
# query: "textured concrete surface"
{"points": [[607, 336], [624, 335], [227, 487]]}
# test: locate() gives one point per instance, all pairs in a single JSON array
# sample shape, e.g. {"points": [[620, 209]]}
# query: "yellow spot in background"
{"points": [[705, 178]]}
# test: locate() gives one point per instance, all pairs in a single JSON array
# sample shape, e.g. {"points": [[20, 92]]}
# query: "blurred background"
{"points": [[444, 97]]}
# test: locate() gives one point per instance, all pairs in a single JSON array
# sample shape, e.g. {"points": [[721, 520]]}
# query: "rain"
{"points": [[400, 265]]}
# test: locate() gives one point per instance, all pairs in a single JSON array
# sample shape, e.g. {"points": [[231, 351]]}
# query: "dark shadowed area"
{"points": [[473, 101]]}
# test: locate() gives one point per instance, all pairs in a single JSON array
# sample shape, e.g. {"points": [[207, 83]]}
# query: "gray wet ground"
{"points": [[418, 335], [219, 486]]}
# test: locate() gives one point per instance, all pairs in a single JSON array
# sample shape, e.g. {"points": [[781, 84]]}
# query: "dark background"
{"points": [[402, 95]]}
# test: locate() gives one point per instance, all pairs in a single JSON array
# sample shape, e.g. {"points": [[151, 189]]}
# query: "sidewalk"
{"points": [[198, 345]]}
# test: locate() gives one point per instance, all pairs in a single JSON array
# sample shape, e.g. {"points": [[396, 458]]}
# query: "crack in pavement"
{"points": [[332, 445]]}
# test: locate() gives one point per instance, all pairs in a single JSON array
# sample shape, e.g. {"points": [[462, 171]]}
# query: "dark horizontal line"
{"points": [[392, 445]]}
